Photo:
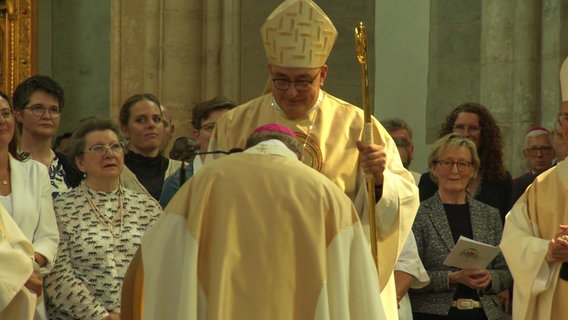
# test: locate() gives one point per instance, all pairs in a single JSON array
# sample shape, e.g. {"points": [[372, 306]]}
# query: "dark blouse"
{"points": [[459, 220], [149, 171]]}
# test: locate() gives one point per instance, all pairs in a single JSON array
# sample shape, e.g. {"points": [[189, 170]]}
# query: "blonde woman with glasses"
{"points": [[455, 293], [493, 184], [100, 223]]}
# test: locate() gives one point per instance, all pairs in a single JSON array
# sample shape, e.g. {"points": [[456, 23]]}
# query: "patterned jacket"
{"points": [[93, 255], [434, 241]]}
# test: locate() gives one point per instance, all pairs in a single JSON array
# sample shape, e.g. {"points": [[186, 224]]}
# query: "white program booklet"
{"points": [[471, 254]]}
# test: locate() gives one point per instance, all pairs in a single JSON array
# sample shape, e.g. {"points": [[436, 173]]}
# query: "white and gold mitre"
{"points": [[298, 34]]}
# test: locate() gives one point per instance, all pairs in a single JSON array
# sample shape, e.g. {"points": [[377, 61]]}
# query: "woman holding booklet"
{"points": [[455, 293]]}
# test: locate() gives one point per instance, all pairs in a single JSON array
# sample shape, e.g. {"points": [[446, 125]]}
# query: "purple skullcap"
{"points": [[275, 127]]}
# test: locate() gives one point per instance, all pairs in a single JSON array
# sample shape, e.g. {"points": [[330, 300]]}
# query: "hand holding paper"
{"points": [[471, 254], [477, 279]]}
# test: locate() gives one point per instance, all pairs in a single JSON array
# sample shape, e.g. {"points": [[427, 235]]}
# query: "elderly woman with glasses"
{"points": [[493, 184], [456, 293], [100, 224], [141, 122]]}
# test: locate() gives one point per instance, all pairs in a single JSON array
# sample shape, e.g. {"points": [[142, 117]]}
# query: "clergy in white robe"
{"points": [[16, 253], [259, 235], [531, 227], [298, 37]]}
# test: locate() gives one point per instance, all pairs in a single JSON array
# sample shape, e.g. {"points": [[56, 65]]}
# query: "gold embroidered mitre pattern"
{"points": [[298, 34]]}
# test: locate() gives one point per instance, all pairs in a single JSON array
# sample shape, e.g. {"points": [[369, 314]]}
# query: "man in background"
{"points": [[539, 152], [401, 133], [204, 118], [409, 271]]}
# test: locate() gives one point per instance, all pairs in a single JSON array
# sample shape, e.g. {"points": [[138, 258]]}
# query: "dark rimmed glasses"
{"points": [[300, 85], [448, 165]]}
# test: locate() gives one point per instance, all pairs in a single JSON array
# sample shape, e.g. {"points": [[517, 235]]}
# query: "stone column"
{"points": [[554, 50], [182, 51], [221, 45], [509, 69]]}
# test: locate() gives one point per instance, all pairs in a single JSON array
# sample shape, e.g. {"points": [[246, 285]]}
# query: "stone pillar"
{"points": [[453, 68], [509, 70], [554, 50], [78, 56], [182, 51], [221, 45]]}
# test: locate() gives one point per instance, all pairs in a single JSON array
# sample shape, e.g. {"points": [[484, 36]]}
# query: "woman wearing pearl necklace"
{"points": [[101, 224]]}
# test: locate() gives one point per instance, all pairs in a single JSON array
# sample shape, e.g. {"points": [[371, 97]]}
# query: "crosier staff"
{"points": [[361, 48]]}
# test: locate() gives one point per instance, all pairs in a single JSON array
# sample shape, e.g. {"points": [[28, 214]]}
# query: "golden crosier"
{"points": [[361, 48]]}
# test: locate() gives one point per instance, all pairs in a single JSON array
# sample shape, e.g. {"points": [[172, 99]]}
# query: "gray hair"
{"points": [[86, 126], [394, 124], [537, 132]]}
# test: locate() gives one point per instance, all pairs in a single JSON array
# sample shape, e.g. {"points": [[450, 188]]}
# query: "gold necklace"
{"points": [[108, 223]]}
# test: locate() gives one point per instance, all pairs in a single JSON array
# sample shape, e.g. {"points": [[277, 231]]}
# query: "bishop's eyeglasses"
{"points": [[300, 85]]}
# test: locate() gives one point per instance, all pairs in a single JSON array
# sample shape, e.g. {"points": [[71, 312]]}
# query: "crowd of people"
{"points": [[264, 212]]}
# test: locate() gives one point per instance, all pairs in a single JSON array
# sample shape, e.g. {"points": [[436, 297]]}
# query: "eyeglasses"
{"points": [[460, 128], [208, 127], [38, 110], [100, 149], [6, 114], [448, 165], [533, 151], [563, 117], [300, 85]]}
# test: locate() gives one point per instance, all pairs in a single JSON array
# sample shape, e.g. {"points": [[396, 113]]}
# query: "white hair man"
{"points": [[539, 152]]}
